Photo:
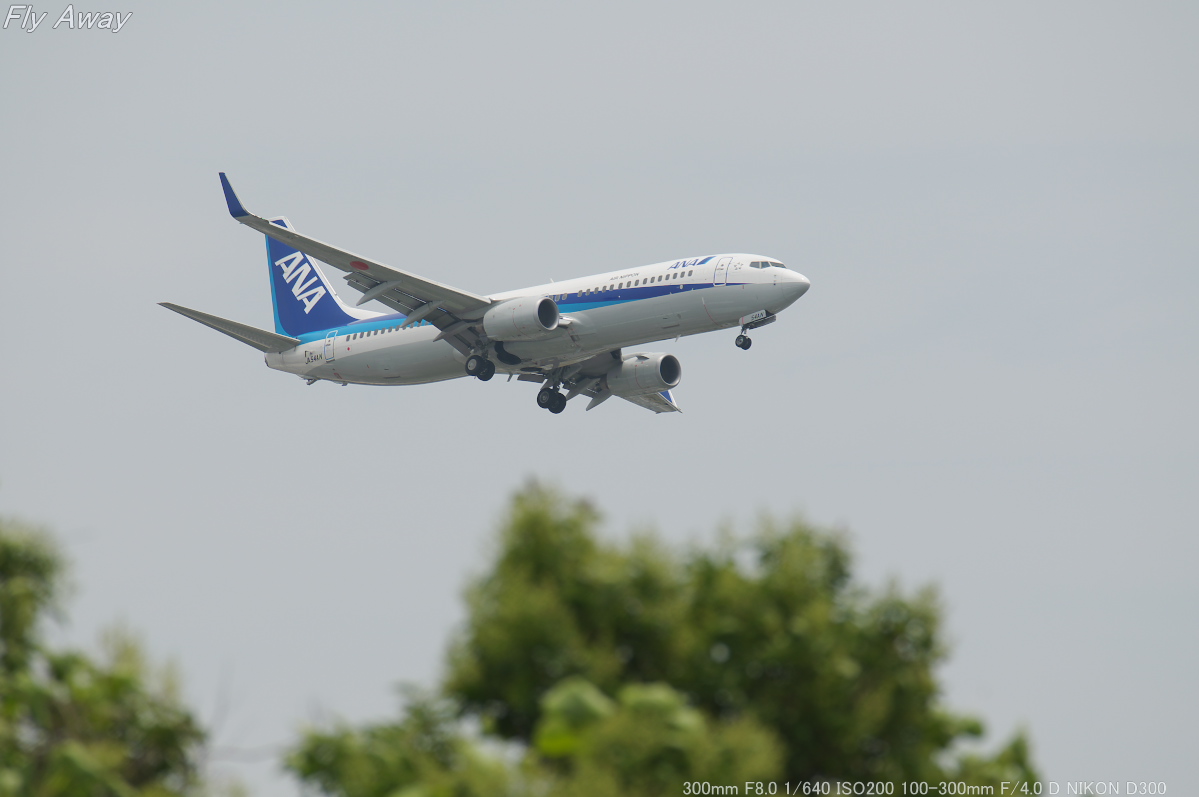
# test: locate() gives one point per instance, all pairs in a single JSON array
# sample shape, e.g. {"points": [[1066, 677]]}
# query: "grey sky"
{"points": [[991, 383]]}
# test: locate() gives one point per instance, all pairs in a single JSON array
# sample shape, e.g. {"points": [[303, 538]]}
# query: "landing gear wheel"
{"points": [[475, 365], [488, 371], [557, 403], [743, 342], [545, 397]]}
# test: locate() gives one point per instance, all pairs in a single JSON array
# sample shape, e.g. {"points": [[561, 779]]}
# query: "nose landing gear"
{"points": [[758, 319]]}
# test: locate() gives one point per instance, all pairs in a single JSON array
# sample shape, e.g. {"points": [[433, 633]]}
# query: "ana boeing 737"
{"points": [[569, 337]]}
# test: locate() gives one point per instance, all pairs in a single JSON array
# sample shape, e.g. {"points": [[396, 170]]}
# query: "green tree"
{"points": [[770, 629], [71, 725], [603, 669], [424, 754], [646, 742]]}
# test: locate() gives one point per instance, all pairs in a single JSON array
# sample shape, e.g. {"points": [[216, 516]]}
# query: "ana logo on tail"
{"points": [[296, 270]]}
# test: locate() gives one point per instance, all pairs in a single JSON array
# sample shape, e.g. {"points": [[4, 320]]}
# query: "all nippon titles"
{"points": [[26, 18]]}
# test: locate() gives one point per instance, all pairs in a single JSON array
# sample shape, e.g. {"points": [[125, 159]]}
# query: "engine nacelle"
{"points": [[643, 373], [528, 318]]}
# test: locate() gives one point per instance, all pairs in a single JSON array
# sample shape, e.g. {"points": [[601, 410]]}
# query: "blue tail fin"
{"points": [[304, 300]]}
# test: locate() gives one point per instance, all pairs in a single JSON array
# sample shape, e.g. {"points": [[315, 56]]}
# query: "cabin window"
{"points": [[689, 273]]}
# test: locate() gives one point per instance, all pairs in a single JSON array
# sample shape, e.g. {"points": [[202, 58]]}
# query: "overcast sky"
{"points": [[992, 382]]}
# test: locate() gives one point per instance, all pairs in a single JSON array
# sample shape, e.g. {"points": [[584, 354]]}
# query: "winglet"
{"points": [[235, 208]]}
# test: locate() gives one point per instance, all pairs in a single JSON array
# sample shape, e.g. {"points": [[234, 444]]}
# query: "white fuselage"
{"points": [[600, 313]]}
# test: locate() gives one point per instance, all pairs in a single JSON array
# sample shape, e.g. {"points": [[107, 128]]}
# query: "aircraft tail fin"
{"points": [[303, 298]]}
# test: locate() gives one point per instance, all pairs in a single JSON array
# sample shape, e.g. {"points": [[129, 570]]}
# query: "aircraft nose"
{"points": [[793, 284], [801, 284]]}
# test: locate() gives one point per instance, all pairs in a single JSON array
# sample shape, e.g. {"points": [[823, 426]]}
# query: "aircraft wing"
{"points": [[442, 305], [658, 402], [585, 380]]}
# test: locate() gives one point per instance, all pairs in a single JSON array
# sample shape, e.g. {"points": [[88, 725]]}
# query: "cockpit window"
{"points": [[776, 265]]}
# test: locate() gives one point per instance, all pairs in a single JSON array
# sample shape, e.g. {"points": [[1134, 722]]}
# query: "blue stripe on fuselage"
{"points": [[365, 325], [574, 303], [578, 302]]}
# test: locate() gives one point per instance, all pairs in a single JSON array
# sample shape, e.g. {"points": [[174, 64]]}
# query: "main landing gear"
{"points": [[743, 341], [480, 367], [548, 398]]}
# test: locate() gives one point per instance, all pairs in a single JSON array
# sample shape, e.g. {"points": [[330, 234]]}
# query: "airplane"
{"points": [[570, 337]]}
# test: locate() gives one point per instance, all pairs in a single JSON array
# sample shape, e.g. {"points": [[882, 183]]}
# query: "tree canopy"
{"points": [[70, 724], [607, 668]]}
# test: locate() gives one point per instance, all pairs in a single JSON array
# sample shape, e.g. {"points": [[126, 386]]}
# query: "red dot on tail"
{"points": [[358, 264]]}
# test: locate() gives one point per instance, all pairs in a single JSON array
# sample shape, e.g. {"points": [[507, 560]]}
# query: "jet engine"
{"points": [[527, 318], [643, 373]]}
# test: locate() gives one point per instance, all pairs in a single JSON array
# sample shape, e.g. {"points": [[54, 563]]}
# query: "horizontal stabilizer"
{"points": [[251, 336]]}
